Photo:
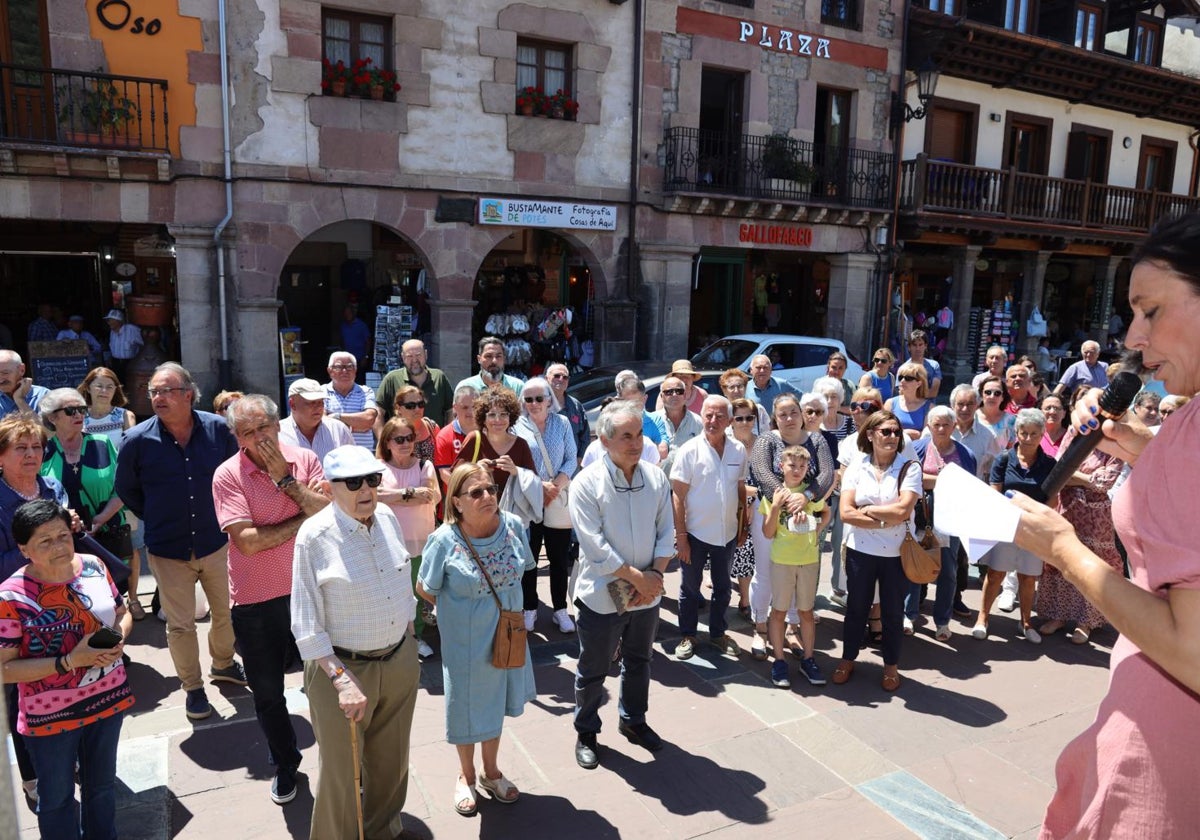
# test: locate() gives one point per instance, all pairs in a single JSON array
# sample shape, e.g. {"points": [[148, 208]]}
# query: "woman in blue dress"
{"points": [[911, 404], [478, 695], [880, 375]]}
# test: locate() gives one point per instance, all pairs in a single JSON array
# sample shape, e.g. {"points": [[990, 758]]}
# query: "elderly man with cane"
{"points": [[352, 616]]}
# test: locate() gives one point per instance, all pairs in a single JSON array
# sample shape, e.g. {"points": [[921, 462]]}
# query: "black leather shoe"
{"points": [[642, 735], [585, 751]]}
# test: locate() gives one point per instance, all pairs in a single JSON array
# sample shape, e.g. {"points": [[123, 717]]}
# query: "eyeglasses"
{"points": [[862, 406], [558, 376], [496, 415], [156, 392], [73, 410], [536, 398], [1166, 412], [479, 492], [879, 361], [405, 438], [342, 367], [993, 393], [749, 418], [355, 484], [99, 386], [633, 488], [812, 412], [907, 378], [673, 392], [412, 406], [887, 433]]}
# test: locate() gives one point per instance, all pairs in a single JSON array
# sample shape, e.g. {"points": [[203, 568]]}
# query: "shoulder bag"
{"points": [[921, 565], [511, 640], [555, 514]]}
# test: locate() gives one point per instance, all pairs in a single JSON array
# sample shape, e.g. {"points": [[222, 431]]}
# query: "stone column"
{"points": [[1105, 279], [665, 298], [255, 347], [959, 365], [450, 347], [1034, 288], [850, 293], [196, 297]]}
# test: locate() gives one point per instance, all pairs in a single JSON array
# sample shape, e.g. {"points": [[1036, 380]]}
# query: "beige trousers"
{"points": [[177, 590]]}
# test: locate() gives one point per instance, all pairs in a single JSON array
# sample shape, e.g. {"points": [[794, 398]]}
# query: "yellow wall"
{"points": [[160, 56]]}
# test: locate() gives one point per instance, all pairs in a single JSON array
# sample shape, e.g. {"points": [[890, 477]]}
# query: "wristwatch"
{"points": [[285, 482], [406, 494]]}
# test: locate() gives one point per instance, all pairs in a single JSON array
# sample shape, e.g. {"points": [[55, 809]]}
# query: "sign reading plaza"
{"points": [[547, 214]]}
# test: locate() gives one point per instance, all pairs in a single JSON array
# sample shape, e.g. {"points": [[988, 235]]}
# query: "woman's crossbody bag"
{"points": [[509, 645]]}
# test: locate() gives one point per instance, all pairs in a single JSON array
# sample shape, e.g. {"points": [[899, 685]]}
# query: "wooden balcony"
{"points": [[1022, 198]]}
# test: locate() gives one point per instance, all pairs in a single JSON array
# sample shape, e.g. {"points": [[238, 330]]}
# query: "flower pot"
{"points": [[338, 88], [557, 113], [377, 92], [527, 110]]}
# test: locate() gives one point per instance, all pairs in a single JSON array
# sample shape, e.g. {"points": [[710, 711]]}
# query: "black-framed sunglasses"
{"points": [[355, 483], [1166, 412], [862, 406], [887, 433], [993, 393], [536, 398], [673, 392], [879, 361], [907, 378], [412, 406], [404, 438], [480, 491], [73, 410], [813, 412], [747, 418], [633, 488]]}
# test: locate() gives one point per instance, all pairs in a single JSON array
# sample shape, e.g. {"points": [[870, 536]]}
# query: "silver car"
{"points": [[798, 360]]}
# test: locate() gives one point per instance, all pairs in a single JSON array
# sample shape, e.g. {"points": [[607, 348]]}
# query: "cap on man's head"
{"points": [[350, 461], [309, 389], [115, 315], [76, 318], [682, 367]]}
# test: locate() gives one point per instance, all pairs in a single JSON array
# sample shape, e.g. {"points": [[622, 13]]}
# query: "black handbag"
{"points": [[117, 539]]}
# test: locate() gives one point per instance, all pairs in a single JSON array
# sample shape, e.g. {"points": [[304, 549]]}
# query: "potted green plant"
{"points": [[93, 111], [782, 164]]}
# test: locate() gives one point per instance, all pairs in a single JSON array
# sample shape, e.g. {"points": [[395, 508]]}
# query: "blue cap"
{"points": [[351, 461]]}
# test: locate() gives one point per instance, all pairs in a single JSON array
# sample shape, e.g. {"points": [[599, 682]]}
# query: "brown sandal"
{"points": [[841, 674], [891, 681]]}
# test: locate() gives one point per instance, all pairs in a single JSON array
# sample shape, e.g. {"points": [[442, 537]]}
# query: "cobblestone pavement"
{"points": [[965, 748]]}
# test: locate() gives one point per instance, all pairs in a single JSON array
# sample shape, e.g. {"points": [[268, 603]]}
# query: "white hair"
{"points": [[718, 400], [814, 399], [940, 412], [615, 412], [336, 354], [826, 385]]}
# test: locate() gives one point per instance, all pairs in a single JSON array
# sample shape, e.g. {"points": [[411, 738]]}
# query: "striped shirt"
{"points": [[351, 585], [359, 398], [125, 342], [330, 434]]}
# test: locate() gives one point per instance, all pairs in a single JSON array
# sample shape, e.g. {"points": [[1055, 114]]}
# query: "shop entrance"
{"points": [[717, 305], [535, 292]]}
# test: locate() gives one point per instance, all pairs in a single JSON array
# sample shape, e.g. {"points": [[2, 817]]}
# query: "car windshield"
{"points": [[725, 353]]}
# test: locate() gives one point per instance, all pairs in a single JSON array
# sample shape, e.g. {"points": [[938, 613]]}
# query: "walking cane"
{"points": [[357, 777]]}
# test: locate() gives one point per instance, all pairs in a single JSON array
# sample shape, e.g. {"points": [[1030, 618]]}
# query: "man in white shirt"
{"points": [[349, 402], [124, 341], [708, 490], [352, 616], [996, 360], [307, 426], [621, 509]]}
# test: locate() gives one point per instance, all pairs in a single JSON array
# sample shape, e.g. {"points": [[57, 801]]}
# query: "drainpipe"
{"points": [[224, 364], [635, 137], [898, 148]]}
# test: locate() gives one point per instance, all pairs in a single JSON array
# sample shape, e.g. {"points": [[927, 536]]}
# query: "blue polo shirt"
{"points": [[169, 487], [8, 405]]}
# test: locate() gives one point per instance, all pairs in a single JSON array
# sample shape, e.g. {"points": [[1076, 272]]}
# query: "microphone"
{"points": [[1114, 402]]}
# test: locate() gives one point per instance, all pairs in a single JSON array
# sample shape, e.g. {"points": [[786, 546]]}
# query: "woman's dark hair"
{"points": [[1176, 244], [877, 419], [33, 515], [496, 398], [1004, 398], [1052, 396]]}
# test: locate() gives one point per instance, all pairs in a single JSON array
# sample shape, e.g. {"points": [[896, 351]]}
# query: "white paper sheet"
{"points": [[972, 511]]}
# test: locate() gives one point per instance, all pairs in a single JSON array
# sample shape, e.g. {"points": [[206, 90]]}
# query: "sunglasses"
{"points": [[405, 438], [341, 367], [673, 392], [907, 378], [74, 410], [749, 418], [813, 412], [1165, 412], [411, 406], [537, 398], [879, 361], [355, 484], [993, 393], [862, 406], [887, 433], [558, 376], [482, 490]]}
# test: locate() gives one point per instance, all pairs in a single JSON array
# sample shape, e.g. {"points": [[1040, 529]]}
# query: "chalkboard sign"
{"points": [[59, 364]]}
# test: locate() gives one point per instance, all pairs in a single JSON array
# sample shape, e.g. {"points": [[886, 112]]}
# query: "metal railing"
{"points": [[946, 187], [53, 107], [776, 167]]}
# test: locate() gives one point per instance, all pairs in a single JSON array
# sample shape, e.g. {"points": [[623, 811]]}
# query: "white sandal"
{"points": [[501, 790], [464, 792]]}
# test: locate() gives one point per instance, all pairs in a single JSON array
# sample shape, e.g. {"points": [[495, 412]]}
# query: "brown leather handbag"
{"points": [[511, 640], [921, 564]]}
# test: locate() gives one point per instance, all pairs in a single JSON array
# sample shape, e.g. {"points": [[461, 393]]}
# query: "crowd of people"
{"points": [[348, 536]]}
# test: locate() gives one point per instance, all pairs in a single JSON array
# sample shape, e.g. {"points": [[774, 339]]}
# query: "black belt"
{"points": [[355, 656]]}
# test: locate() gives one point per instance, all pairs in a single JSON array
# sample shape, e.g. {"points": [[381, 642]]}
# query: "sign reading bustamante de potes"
{"points": [[547, 214]]}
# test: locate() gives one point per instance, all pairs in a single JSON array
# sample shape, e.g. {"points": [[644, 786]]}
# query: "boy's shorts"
{"points": [[794, 582]]}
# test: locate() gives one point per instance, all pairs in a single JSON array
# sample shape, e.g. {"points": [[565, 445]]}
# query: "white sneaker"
{"points": [[1007, 601], [424, 651], [564, 622], [908, 626], [530, 618]]}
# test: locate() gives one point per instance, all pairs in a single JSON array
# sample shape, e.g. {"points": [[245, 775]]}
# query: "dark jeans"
{"points": [[264, 633], [598, 636], [947, 588], [718, 558], [94, 747], [862, 572], [24, 762], [964, 571], [558, 552]]}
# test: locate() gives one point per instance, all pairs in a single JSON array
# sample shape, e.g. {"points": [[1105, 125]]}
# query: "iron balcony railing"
{"points": [[776, 167], [53, 107], [945, 187]]}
